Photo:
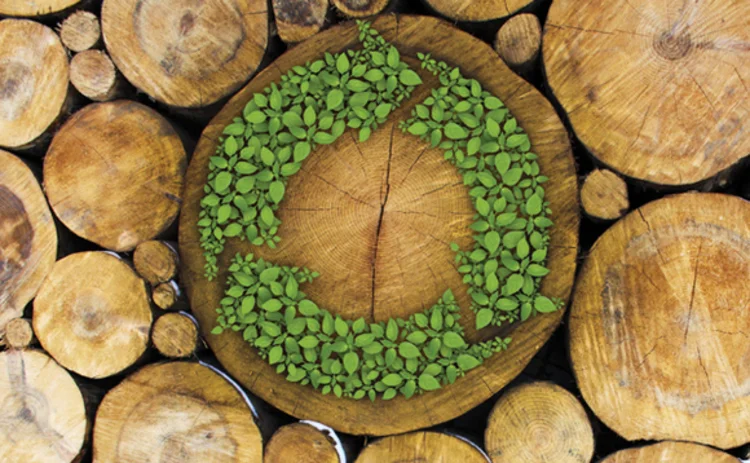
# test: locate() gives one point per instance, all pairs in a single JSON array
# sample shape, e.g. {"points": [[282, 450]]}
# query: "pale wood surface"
{"points": [[300, 443], [80, 31], [155, 261], [175, 335], [518, 41], [93, 74], [477, 10], [432, 447], [297, 20], [165, 294], [671, 452], [34, 7], [18, 333], [604, 195]]}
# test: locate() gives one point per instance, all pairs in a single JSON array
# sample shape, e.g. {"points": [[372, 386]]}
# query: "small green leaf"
{"points": [[514, 284], [342, 63], [309, 342], [453, 340], [272, 305], [409, 77], [392, 380], [408, 350], [467, 362], [543, 304], [351, 362], [334, 99], [492, 241], [222, 181], [308, 308], [455, 131], [534, 205], [428, 382], [276, 191]]}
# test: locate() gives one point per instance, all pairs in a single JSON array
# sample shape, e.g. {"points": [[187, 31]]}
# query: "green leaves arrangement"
{"points": [[314, 105]]}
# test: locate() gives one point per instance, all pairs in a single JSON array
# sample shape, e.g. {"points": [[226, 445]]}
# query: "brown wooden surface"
{"points": [[93, 74], [33, 79], [92, 314], [114, 174], [18, 333], [179, 412], [539, 422], [432, 447], [657, 91], [155, 261], [35, 7], [360, 8], [165, 295], [186, 53], [300, 443], [42, 418], [658, 323], [477, 10], [175, 335], [80, 31], [28, 238], [297, 20], [411, 34], [667, 452], [604, 195], [518, 42]]}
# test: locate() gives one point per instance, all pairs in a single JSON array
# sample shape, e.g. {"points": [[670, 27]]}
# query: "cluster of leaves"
{"points": [[348, 358], [281, 126], [493, 154]]}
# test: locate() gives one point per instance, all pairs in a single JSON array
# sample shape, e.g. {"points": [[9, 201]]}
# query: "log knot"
{"points": [[673, 46]]}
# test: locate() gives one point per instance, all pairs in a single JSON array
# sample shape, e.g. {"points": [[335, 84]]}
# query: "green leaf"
{"points": [[391, 331], [291, 119], [342, 328], [342, 63], [537, 270], [393, 57], [453, 340], [275, 354], [382, 110], [256, 117], [269, 275], [222, 181], [374, 75], [324, 138], [266, 215], [222, 215], [408, 350], [309, 342], [492, 241], [534, 205], [351, 362], [267, 156], [514, 284], [525, 312], [276, 191], [409, 77], [543, 304], [233, 229], [292, 288], [334, 99], [308, 308], [516, 140], [309, 116], [467, 362], [428, 382], [418, 128], [301, 151], [502, 163], [492, 102], [455, 131], [483, 207], [392, 380], [272, 305], [512, 176], [245, 184], [484, 318]]}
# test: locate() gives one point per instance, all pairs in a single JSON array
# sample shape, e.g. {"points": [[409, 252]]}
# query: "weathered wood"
{"points": [[93, 74], [477, 10], [186, 53], [175, 412], [28, 238], [114, 172], [671, 452], [303, 443], [33, 81], [18, 334], [165, 295], [43, 414], [360, 8], [156, 261], [297, 20], [604, 195], [175, 335], [539, 422], [92, 314], [518, 42], [35, 8], [80, 31], [657, 325], [657, 91], [346, 264], [421, 446]]}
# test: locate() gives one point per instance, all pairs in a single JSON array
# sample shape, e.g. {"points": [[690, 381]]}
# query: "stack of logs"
{"points": [[101, 356]]}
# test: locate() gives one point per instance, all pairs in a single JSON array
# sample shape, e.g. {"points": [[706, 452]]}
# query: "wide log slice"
{"points": [[477, 10], [35, 7], [376, 219], [658, 325], [657, 91], [28, 237], [421, 447], [176, 412], [186, 53], [670, 451]]}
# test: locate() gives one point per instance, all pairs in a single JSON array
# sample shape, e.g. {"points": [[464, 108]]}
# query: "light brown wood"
{"points": [[658, 326], [175, 335], [165, 295], [43, 417], [657, 91], [300, 443], [360, 8], [297, 20], [186, 53], [18, 333], [315, 211], [156, 261], [80, 31], [92, 314], [477, 10], [93, 74], [518, 42], [604, 195], [114, 173], [35, 7], [539, 422], [665, 452], [33, 81], [28, 238], [179, 412], [432, 447]]}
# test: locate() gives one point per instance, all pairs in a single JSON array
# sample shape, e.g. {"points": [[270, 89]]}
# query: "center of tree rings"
{"points": [[673, 47]]}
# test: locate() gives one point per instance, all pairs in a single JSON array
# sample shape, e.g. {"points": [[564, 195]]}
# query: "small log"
{"points": [[297, 20], [518, 42], [604, 195], [179, 411], [92, 314], [477, 10], [421, 446], [165, 295], [28, 237], [93, 74], [43, 415], [539, 422], [156, 261], [360, 8], [18, 333], [175, 335], [26, 8], [113, 174], [183, 53], [655, 91], [670, 452], [657, 342], [305, 442], [33, 81], [80, 31]]}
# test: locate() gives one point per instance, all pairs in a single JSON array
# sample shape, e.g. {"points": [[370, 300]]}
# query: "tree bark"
{"points": [[33, 82], [667, 105], [360, 8], [670, 451], [477, 10], [156, 261], [604, 195], [518, 42], [121, 147], [421, 446], [180, 411], [28, 237], [93, 74], [304, 443], [93, 315], [297, 20], [80, 31], [539, 422], [35, 8], [656, 338], [175, 335], [186, 53], [18, 334]]}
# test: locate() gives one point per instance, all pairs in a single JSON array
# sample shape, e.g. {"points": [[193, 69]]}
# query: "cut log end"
{"points": [[175, 335], [93, 74], [539, 422], [421, 447], [43, 415], [165, 295], [155, 261], [25, 8], [518, 42], [477, 10], [92, 314], [301, 443], [18, 333], [80, 31], [178, 411], [360, 8], [33, 81], [95, 178], [604, 195], [655, 327], [670, 451], [297, 20]]}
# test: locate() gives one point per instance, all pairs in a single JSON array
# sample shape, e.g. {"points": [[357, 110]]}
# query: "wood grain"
{"points": [[477, 10], [670, 452], [432, 447], [93, 74], [518, 42], [80, 31], [35, 7], [18, 333], [155, 261], [300, 443], [360, 8], [604, 195], [297, 20], [175, 335]]}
